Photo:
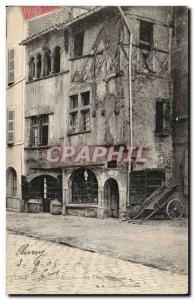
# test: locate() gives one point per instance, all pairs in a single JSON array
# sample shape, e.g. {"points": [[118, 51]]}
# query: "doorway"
{"points": [[46, 189], [112, 198]]}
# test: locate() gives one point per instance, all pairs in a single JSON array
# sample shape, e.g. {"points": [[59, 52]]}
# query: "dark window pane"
{"points": [[74, 101], [85, 114], [57, 59], [78, 44], [146, 35], [85, 98], [44, 134], [159, 116]]}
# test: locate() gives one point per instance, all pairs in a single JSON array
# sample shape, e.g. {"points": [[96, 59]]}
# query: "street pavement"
{"points": [[37, 266], [160, 244]]}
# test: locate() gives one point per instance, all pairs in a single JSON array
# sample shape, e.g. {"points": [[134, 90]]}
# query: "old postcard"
{"points": [[97, 194]]}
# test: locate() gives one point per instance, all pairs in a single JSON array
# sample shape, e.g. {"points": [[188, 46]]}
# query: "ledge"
{"points": [[37, 147], [76, 133], [81, 205], [86, 55], [48, 76]]}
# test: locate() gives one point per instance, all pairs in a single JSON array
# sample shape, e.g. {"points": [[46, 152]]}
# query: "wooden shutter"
{"points": [[162, 118], [159, 117], [10, 126], [11, 66], [166, 118]]}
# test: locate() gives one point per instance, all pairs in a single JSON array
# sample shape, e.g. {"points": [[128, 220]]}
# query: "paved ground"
{"points": [[65, 270], [161, 244]]}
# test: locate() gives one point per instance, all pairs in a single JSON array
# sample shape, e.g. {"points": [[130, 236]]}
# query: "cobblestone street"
{"points": [[65, 270], [161, 244]]}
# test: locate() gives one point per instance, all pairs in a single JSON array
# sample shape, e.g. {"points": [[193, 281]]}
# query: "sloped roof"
{"points": [[62, 25]]}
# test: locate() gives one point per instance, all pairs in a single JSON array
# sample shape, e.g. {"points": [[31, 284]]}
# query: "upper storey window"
{"points": [[31, 69], [47, 65], [146, 35], [39, 65], [78, 44], [39, 130], [162, 118], [79, 113], [57, 59], [11, 66]]}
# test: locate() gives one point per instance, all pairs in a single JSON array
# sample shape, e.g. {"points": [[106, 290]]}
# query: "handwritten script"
{"points": [[35, 263]]}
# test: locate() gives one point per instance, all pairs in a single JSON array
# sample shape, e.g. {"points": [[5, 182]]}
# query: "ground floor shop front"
{"points": [[83, 191], [89, 191]]}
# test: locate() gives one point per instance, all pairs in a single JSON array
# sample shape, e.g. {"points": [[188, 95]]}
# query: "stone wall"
{"points": [[180, 59]]}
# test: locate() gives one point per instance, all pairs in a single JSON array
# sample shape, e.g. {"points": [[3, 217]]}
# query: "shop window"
{"points": [[39, 131], [162, 118], [11, 66], [84, 186], [78, 44], [11, 183], [57, 59]]}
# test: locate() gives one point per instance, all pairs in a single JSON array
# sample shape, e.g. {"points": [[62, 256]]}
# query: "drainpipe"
{"points": [[130, 90]]}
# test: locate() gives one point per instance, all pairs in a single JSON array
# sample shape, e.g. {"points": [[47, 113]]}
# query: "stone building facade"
{"points": [[101, 78], [15, 108], [180, 120]]}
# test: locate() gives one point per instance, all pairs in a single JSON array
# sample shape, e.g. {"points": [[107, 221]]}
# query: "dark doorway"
{"points": [[45, 188], [112, 198]]}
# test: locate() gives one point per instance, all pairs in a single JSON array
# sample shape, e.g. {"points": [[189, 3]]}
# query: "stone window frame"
{"points": [[82, 111], [37, 125], [143, 43], [84, 191], [39, 69], [144, 46]]}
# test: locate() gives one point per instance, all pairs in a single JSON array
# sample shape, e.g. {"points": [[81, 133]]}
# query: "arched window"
{"points": [[47, 65], [84, 186], [39, 63], [31, 69], [11, 183], [47, 188], [57, 59]]}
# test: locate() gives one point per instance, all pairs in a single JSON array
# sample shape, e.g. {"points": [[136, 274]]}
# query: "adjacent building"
{"points": [[180, 119], [15, 107]]}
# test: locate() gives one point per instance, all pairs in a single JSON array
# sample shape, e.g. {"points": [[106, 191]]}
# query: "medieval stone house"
{"points": [[100, 78]]}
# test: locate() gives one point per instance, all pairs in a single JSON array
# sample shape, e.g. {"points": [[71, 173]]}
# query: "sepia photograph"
{"points": [[97, 150]]}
